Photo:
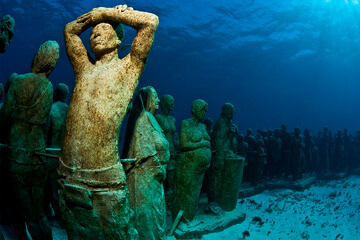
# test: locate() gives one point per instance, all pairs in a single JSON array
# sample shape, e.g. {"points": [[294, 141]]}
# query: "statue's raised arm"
{"points": [[145, 24]]}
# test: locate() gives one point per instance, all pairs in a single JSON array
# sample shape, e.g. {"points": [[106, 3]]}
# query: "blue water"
{"points": [[293, 62]]}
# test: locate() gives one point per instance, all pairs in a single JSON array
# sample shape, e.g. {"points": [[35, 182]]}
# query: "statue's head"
{"points": [[283, 127], [149, 99], [260, 143], [249, 131], [7, 26], [227, 110], [167, 102], [46, 58], [307, 132], [240, 137], [296, 131], [326, 129], [339, 133], [61, 92], [105, 38], [277, 132], [198, 109]]}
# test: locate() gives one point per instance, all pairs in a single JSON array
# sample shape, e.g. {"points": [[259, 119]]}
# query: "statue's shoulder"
{"points": [[172, 118], [159, 117], [185, 122]]}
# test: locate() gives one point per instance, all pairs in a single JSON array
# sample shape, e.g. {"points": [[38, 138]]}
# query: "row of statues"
{"points": [[293, 154], [94, 193]]}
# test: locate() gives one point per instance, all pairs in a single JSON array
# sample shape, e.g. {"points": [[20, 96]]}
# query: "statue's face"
{"points": [[103, 39], [154, 101], [200, 113], [169, 104]]}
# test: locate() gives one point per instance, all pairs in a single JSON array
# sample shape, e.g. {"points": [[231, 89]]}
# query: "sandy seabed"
{"points": [[326, 210]]}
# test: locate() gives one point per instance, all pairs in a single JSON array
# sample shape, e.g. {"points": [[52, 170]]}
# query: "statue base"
{"points": [[205, 223]]}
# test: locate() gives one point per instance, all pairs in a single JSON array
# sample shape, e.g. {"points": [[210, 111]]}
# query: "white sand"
{"points": [[327, 210]]}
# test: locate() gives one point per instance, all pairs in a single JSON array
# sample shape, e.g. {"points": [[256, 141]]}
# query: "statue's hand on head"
{"points": [[123, 8], [90, 15]]}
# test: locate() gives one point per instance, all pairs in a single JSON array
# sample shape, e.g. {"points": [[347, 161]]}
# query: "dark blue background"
{"points": [[293, 62]]}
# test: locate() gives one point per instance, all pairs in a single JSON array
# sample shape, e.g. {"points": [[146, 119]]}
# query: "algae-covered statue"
{"points": [[168, 125], [297, 150], [55, 136], [26, 107], [93, 190], [192, 162], [257, 168], [226, 167], [57, 117], [7, 26], [145, 141]]}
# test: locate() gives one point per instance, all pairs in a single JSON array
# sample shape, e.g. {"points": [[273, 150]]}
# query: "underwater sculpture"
{"points": [[168, 125], [257, 168], [93, 190], [55, 136], [348, 147], [285, 150], [145, 141], [339, 151], [7, 26], [275, 152], [226, 167], [324, 167], [309, 145], [57, 117], [250, 154], [26, 107], [242, 146], [192, 162], [298, 147]]}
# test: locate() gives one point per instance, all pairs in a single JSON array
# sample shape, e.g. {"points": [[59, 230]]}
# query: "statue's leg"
{"points": [[28, 183]]}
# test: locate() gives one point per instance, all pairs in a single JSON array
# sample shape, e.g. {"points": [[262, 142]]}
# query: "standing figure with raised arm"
{"points": [[93, 190]]}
